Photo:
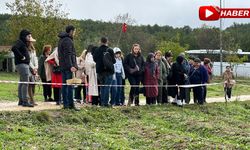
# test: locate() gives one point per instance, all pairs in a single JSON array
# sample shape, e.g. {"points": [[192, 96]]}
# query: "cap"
{"points": [[116, 50]]}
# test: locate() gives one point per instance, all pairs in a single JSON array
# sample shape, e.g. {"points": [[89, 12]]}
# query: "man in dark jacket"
{"points": [[67, 61], [198, 75], [104, 76], [22, 60]]}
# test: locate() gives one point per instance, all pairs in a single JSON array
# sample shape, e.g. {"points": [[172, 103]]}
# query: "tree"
{"points": [[207, 37], [166, 46], [44, 18]]}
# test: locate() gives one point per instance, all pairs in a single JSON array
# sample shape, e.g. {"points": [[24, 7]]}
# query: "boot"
{"points": [[136, 98]]}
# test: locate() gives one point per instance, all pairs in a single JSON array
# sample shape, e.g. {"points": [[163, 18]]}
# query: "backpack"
{"points": [[107, 62]]}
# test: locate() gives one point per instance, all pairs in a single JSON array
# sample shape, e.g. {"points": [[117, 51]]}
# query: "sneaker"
{"points": [[184, 103], [179, 103]]}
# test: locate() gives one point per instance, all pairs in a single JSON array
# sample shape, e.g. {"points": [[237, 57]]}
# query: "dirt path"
{"points": [[12, 106]]}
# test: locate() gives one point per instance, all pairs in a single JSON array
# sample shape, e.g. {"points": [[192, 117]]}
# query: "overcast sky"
{"points": [[176, 13]]}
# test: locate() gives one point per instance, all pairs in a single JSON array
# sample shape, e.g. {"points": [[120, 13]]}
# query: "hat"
{"points": [[23, 34], [197, 60], [179, 59], [116, 50]]}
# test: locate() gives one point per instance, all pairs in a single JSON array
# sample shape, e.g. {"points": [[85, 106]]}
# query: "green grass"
{"points": [[9, 91], [214, 126]]}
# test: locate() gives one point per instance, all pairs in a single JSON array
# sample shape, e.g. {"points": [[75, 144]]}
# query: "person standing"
{"points": [[90, 70], [151, 79], [197, 76], [167, 60], [134, 68], [80, 73], [162, 75], [22, 61], [67, 61], [116, 90], [207, 65], [178, 78], [104, 71], [228, 82], [54, 73], [42, 73], [33, 71]]}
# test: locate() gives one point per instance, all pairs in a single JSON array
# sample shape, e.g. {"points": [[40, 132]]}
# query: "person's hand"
{"points": [[34, 71], [132, 70], [73, 69]]}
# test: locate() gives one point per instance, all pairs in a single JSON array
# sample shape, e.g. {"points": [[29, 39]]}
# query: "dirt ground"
{"points": [[12, 106]]}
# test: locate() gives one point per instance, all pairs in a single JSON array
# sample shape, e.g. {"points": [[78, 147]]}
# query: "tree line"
{"points": [[45, 25]]}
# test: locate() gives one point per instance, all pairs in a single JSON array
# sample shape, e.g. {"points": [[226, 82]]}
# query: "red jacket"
{"points": [[55, 77], [151, 81]]}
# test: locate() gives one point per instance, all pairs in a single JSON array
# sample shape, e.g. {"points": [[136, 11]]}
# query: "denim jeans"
{"points": [[116, 91], [24, 72], [67, 90], [105, 90], [113, 92], [119, 89]]}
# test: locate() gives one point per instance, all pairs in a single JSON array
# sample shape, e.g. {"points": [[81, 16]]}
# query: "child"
{"points": [[151, 77], [228, 82], [116, 90]]}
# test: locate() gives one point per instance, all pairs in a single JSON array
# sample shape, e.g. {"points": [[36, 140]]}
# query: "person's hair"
{"points": [[104, 40], [46, 48], [168, 54], [158, 52], [83, 55], [197, 60], [31, 47], [191, 57], [135, 45], [69, 28], [206, 61], [89, 48]]}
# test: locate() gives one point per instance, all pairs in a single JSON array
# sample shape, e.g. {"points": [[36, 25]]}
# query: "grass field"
{"points": [[9, 91], [214, 126]]}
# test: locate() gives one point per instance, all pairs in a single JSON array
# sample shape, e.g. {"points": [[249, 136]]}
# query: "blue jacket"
{"points": [[198, 76]]}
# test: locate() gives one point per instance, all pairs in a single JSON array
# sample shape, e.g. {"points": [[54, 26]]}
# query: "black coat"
{"points": [[20, 51], [98, 58], [66, 52], [130, 62], [41, 68]]}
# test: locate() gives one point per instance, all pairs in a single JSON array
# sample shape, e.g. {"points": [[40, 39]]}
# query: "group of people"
{"points": [[103, 71]]}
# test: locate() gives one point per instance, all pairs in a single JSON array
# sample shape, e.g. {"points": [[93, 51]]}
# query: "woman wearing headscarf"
{"points": [[151, 77], [178, 78]]}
